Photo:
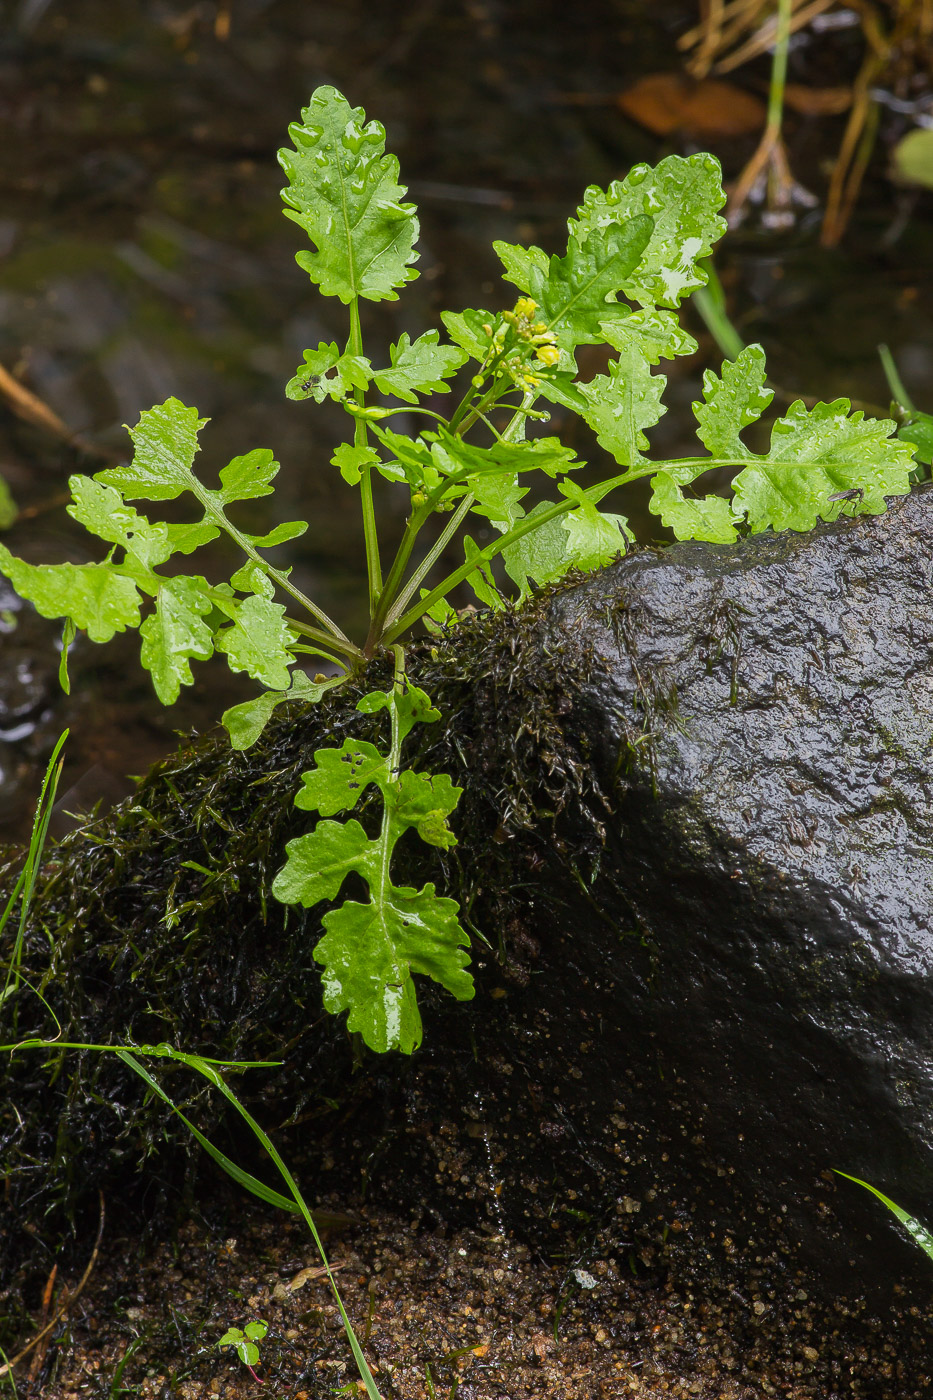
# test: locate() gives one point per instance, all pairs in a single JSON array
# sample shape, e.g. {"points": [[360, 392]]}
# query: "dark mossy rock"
{"points": [[697, 839]]}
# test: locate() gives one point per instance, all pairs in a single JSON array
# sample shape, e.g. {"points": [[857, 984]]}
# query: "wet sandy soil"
{"points": [[473, 1315]]}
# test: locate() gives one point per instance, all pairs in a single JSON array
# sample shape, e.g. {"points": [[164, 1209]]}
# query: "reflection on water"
{"points": [[143, 253]]}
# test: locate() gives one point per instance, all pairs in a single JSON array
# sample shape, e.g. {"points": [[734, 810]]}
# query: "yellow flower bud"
{"points": [[547, 354], [525, 308]]}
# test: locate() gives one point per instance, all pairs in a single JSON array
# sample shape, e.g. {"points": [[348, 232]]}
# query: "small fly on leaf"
{"points": [[854, 494]]}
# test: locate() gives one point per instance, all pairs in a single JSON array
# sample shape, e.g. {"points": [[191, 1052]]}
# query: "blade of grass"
{"points": [[213, 1077], [895, 383], [241, 1177], [208, 1068], [25, 886], [918, 1233]]}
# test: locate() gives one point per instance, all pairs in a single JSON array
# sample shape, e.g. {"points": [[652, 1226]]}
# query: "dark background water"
{"points": [[143, 253]]}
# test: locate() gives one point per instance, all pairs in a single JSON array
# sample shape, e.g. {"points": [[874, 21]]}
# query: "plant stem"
{"points": [[430, 559], [412, 529], [347, 650], [487, 368], [779, 67], [211, 508], [770, 154], [388, 602], [530, 523], [500, 387], [895, 383], [360, 439], [519, 416]]}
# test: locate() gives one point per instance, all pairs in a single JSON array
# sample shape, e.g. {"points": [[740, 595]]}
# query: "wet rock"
{"points": [[757, 720]]}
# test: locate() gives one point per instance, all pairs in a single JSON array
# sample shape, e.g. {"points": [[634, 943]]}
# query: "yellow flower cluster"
{"points": [[520, 320]]}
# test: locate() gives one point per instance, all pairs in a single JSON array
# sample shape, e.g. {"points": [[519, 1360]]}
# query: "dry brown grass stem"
{"points": [[898, 37], [65, 1302], [724, 25]]}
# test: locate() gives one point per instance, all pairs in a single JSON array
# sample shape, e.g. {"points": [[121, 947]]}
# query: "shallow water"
{"points": [[143, 253]]}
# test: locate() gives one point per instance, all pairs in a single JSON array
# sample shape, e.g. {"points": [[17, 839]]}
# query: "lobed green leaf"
{"points": [[497, 498], [575, 294], [351, 459], [326, 373], [258, 640], [703, 518], [619, 405], [252, 578], [166, 441], [412, 706], [594, 537], [319, 862], [340, 777], [343, 191], [101, 509], [468, 329], [98, 598], [682, 197], [174, 633], [539, 557], [245, 722], [654, 331], [370, 951], [549, 455], [818, 453], [425, 801], [422, 367], [732, 403], [248, 477], [185, 538]]}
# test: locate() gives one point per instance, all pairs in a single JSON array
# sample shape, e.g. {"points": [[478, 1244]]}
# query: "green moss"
{"points": [[154, 923]]}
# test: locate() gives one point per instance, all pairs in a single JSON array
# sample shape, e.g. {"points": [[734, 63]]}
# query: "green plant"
{"points": [[633, 253], [918, 1233], [25, 884], [915, 426], [243, 1341]]}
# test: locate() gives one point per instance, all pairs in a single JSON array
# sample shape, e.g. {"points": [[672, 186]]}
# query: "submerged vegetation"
{"points": [[634, 252]]}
